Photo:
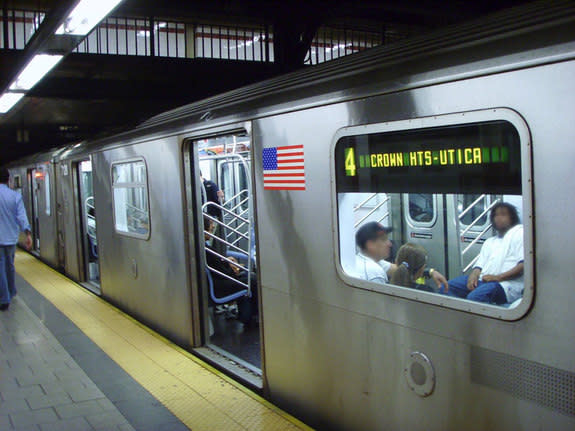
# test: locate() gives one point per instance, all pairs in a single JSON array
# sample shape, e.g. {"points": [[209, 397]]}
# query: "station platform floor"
{"points": [[71, 361]]}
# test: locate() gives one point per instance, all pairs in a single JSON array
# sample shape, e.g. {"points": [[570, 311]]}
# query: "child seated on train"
{"points": [[374, 248], [411, 261], [497, 276]]}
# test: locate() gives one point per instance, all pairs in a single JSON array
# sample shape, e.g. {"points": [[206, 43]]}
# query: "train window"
{"points": [[434, 213], [474, 207], [421, 207], [130, 195]]}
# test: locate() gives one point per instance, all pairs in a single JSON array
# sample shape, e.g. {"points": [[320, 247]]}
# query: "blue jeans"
{"points": [[491, 292], [7, 286]]}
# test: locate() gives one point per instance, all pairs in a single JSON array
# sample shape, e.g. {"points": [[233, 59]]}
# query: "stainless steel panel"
{"points": [[157, 292], [314, 361], [47, 214], [72, 249]]}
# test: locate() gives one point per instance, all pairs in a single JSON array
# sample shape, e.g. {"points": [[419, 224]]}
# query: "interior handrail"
{"points": [[364, 202], [239, 205], [475, 240], [218, 206], [227, 259], [378, 206], [244, 221], [383, 218], [221, 223], [474, 222], [475, 202], [237, 195], [211, 235]]}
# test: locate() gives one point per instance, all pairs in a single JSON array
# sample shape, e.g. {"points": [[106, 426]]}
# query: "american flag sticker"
{"points": [[284, 168]]}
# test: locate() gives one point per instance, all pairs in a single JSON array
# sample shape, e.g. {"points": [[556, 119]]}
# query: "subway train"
{"points": [[425, 136]]}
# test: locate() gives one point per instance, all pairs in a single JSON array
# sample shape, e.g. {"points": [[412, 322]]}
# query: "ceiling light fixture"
{"points": [[8, 100], [86, 15], [34, 71]]}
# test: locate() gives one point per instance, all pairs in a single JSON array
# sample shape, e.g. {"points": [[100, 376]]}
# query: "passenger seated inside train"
{"points": [[497, 276], [410, 267], [374, 247], [213, 194], [247, 306]]}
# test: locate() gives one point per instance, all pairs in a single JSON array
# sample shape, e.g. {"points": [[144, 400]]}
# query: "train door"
{"points": [[450, 227], [60, 172], [87, 223], [425, 225], [227, 285], [33, 175]]}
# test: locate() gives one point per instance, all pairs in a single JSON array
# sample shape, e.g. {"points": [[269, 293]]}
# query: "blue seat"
{"points": [[225, 299]]}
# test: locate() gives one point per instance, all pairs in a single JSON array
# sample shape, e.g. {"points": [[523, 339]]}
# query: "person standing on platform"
{"points": [[13, 220]]}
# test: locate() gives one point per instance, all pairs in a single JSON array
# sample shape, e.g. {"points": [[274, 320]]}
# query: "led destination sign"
{"points": [[468, 158], [445, 157]]}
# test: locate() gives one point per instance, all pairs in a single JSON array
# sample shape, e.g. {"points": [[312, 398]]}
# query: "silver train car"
{"points": [[425, 136]]}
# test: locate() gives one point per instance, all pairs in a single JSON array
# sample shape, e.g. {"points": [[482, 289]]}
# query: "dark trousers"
{"points": [[7, 271], [491, 292], [247, 306]]}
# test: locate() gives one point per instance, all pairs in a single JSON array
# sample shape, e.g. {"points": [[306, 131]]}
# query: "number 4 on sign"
{"points": [[350, 167]]}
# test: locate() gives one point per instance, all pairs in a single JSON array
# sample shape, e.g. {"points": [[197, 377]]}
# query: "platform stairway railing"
{"points": [[469, 229], [247, 265], [364, 205]]}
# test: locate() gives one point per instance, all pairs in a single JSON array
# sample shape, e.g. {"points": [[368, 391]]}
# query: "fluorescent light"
{"points": [[86, 15], [8, 100], [34, 71]]}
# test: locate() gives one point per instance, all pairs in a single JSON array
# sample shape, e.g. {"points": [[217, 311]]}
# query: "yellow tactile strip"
{"points": [[196, 393]]}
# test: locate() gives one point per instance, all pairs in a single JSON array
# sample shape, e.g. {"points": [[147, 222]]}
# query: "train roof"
{"points": [[524, 36]]}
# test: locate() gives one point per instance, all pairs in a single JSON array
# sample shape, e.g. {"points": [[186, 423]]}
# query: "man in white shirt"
{"points": [[497, 277], [374, 247]]}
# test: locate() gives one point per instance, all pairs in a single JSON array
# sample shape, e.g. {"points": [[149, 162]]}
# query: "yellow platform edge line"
{"points": [[293, 420]]}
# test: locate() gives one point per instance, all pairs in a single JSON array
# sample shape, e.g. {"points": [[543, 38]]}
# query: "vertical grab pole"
{"points": [[457, 229]]}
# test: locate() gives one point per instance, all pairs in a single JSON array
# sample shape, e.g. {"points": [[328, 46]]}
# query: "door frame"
{"points": [[81, 229], [196, 260]]}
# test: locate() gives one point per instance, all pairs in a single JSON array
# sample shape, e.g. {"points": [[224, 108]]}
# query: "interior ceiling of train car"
{"points": [[148, 56]]}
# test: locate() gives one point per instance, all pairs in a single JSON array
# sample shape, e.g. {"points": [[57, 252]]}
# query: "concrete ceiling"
{"points": [[89, 95]]}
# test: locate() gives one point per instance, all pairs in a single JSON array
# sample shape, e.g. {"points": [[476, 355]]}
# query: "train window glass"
{"points": [[421, 207], [464, 172], [130, 194], [17, 182], [472, 206], [47, 192]]}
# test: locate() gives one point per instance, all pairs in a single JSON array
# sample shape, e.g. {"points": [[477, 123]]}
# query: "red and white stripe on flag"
{"points": [[283, 168]]}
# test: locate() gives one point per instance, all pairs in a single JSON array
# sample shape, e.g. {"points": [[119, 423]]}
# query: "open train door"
{"points": [[86, 210], [223, 253]]}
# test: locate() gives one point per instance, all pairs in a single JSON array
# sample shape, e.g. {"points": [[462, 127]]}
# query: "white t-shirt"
{"points": [[370, 270], [499, 255]]}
